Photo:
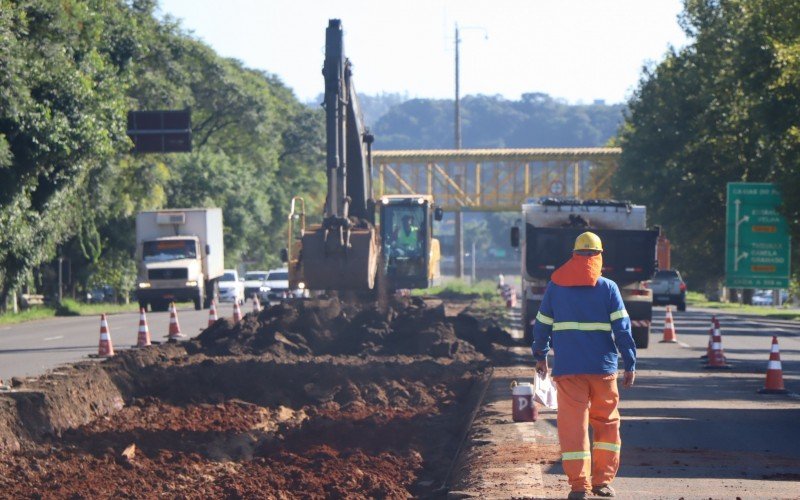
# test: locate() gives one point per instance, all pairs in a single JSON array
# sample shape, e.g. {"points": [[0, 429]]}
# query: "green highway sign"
{"points": [[757, 242]]}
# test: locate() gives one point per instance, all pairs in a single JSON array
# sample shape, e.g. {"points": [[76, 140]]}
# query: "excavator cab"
{"points": [[410, 254]]}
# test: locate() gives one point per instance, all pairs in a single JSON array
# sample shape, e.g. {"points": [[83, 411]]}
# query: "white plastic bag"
{"points": [[545, 391]]}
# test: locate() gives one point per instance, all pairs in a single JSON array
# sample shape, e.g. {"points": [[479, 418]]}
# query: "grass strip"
{"points": [[696, 299]]}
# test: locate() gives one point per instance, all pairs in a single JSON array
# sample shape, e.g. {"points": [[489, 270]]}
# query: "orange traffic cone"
{"points": [[256, 304], [716, 359], [774, 382], [237, 313], [174, 326], [714, 326], [669, 328], [212, 313], [106, 348], [143, 339]]}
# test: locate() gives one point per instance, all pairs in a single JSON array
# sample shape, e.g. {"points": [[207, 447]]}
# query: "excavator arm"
{"points": [[342, 252]]}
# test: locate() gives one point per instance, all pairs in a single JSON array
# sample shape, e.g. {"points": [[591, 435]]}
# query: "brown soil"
{"points": [[314, 399]]}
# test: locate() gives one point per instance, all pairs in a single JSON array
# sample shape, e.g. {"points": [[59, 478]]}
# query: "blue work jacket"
{"points": [[586, 326]]}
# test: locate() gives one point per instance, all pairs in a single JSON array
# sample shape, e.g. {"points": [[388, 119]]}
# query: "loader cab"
{"points": [[406, 223]]}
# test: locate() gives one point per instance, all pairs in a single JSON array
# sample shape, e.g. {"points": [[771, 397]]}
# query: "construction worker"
{"points": [[583, 318], [407, 237]]}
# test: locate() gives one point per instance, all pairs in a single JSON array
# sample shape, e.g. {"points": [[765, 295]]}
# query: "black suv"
{"points": [[669, 288]]}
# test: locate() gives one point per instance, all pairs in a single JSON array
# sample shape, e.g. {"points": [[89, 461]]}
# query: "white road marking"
{"points": [[53, 338]]}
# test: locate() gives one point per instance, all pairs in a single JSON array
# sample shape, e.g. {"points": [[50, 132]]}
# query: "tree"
{"points": [[720, 110]]}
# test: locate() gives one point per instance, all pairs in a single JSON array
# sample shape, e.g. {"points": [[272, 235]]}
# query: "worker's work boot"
{"points": [[604, 490], [577, 495]]}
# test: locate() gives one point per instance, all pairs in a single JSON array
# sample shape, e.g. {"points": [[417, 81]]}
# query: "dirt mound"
{"points": [[319, 327], [312, 399]]}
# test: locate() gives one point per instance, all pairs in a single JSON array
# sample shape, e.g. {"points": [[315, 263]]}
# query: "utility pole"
{"points": [[60, 279], [458, 99]]}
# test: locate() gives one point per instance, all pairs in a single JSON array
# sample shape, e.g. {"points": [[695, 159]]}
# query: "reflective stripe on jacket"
{"points": [[586, 325]]}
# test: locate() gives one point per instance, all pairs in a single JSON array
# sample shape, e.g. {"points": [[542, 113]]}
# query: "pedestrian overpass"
{"points": [[493, 179]]}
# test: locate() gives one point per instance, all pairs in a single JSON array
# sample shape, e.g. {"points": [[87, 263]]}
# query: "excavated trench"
{"points": [[311, 399]]}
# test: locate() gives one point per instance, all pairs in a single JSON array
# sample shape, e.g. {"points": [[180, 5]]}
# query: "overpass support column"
{"points": [[459, 243]]}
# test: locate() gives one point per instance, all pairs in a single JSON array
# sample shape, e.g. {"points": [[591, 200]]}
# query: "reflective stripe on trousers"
{"points": [[585, 400]]}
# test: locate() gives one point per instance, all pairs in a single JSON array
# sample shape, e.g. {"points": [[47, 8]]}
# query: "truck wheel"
{"points": [[641, 336], [198, 301], [213, 293], [143, 305]]}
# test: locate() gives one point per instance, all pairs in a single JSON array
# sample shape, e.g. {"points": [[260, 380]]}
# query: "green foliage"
{"points": [[458, 289], [116, 269], [536, 120], [723, 109], [69, 72]]}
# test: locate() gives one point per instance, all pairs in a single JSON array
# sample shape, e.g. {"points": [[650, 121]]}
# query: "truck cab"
{"points": [[180, 257]]}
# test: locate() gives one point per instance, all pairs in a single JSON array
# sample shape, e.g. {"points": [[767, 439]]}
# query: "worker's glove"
{"points": [[541, 367]]}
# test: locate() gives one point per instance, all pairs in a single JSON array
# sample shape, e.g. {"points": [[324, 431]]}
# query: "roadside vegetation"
{"points": [[69, 186], [721, 109], [698, 300], [68, 307], [460, 289]]}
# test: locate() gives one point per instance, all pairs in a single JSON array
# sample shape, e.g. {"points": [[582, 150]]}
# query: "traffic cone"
{"points": [[774, 382], [143, 339], [716, 359], [212, 313], [174, 326], [256, 304], [669, 328], [714, 326], [237, 313], [106, 348]]}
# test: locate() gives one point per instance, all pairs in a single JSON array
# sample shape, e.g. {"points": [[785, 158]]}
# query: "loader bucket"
{"points": [[329, 266]]}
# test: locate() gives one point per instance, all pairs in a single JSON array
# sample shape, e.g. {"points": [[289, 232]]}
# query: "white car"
{"points": [[231, 288], [253, 282], [276, 287]]}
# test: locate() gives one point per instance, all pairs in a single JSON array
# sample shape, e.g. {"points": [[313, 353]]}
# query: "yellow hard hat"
{"points": [[588, 241]]}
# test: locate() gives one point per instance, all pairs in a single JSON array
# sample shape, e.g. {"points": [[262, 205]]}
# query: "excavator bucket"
{"points": [[328, 265]]}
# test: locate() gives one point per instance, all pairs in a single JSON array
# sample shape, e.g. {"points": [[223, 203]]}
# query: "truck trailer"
{"points": [[180, 256], [629, 257]]}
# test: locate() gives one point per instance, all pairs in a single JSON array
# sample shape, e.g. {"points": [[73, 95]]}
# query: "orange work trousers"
{"points": [[585, 400]]}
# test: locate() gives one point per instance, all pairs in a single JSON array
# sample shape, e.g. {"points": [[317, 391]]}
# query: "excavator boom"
{"points": [[342, 252]]}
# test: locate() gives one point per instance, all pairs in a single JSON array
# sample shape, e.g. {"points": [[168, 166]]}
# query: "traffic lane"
{"points": [[29, 349], [746, 340], [708, 428]]}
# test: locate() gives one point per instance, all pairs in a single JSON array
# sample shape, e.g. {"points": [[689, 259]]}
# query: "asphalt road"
{"points": [[692, 432], [687, 431], [29, 349]]}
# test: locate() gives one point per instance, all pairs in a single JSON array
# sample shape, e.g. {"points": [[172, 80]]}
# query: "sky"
{"points": [[577, 50]]}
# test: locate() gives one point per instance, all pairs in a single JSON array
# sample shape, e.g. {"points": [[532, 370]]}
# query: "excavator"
{"points": [[362, 243]]}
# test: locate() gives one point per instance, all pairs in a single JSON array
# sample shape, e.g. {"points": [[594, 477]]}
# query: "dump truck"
{"points": [[361, 241], [629, 257], [180, 256]]}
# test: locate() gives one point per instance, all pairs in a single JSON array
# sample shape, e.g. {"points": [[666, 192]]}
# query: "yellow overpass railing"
{"points": [[495, 179]]}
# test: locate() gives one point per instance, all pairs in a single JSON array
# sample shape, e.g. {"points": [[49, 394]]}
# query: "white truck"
{"points": [[550, 227], [180, 256]]}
